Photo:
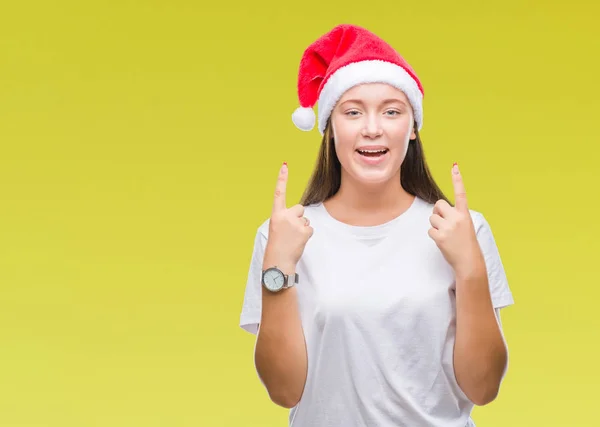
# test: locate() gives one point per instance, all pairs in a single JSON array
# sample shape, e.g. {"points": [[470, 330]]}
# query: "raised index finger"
{"points": [[460, 194], [280, 187]]}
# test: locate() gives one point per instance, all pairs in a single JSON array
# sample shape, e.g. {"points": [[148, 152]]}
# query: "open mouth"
{"points": [[373, 153]]}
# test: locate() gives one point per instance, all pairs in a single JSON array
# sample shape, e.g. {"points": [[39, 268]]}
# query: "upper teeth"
{"points": [[373, 151]]}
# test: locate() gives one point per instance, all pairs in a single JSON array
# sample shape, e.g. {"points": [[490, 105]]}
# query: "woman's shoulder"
{"points": [[313, 208], [263, 227]]}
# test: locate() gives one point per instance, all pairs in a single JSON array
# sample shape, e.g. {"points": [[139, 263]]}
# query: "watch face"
{"points": [[273, 279]]}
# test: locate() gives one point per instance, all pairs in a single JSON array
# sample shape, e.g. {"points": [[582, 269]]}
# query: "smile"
{"points": [[372, 155]]}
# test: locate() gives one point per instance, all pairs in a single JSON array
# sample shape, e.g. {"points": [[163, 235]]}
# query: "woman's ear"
{"points": [[413, 133]]}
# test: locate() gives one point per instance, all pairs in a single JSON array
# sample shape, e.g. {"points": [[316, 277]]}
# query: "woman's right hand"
{"points": [[288, 229]]}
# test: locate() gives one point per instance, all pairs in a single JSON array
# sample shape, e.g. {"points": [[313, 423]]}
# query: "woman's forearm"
{"points": [[280, 353], [480, 353]]}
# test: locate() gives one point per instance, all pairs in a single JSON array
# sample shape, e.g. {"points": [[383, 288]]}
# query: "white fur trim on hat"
{"points": [[371, 71]]}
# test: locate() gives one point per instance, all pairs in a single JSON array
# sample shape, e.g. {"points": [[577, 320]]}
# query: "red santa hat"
{"points": [[347, 56]]}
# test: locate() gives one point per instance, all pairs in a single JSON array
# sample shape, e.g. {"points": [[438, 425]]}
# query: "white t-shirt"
{"points": [[378, 311]]}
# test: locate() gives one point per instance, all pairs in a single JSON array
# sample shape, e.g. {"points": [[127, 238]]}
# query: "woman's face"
{"points": [[372, 125]]}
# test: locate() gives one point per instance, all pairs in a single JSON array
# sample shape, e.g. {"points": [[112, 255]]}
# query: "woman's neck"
{"points": [[363, 204]]}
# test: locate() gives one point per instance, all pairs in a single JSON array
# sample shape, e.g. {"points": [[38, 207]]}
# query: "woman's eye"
{"points": [[351, 113], [393, 112]]}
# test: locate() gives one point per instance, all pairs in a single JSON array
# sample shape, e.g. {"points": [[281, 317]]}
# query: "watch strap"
{"points": [[290, 280]]}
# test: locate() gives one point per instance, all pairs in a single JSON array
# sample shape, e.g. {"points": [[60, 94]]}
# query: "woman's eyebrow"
{"points": [[384, 102], [392, 100]]}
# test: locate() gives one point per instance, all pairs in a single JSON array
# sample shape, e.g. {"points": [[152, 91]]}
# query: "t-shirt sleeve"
{"points": [[252, 303], [499, 289]]}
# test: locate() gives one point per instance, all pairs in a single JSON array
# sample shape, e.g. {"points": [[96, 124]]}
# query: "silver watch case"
{"points": [[274, 280]]}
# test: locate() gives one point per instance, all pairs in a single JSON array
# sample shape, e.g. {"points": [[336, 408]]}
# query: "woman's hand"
{"points": [[289, 231], [454, 233]]}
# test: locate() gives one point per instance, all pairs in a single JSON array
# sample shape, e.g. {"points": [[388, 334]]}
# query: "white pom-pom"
{"points": [[304, 118]]}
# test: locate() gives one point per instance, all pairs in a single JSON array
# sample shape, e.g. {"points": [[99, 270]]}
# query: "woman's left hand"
{"points": [[453, 232]]}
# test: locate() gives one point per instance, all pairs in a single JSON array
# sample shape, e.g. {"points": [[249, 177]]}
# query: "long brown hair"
{"points": [[415, 176]]}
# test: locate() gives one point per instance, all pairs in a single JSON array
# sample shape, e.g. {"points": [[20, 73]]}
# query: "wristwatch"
{"points": [[274, 280]]}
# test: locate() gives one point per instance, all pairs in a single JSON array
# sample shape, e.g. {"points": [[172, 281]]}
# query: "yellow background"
{"points": [[139, 146]]}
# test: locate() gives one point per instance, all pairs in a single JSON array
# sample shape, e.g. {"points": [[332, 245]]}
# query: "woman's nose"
{"points": [[372, 128]]}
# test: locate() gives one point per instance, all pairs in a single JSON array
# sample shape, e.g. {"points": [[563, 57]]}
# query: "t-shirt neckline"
{"points": [[369, 230]]}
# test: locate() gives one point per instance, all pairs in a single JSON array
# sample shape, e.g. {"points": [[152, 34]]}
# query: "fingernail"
{"points": [[285, 163], [455, 168]]}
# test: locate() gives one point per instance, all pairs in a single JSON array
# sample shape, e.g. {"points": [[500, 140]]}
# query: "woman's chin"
{"points": [[373, 177]]}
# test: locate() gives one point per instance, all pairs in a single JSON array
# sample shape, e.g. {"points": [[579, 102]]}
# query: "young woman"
{"points": [[375, 301]]}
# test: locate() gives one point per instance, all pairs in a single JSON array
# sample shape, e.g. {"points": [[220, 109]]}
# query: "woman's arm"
{"points": [[480, 353], [280, 353]]}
